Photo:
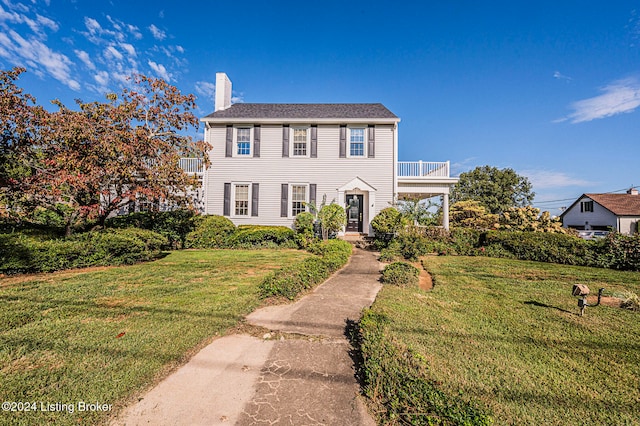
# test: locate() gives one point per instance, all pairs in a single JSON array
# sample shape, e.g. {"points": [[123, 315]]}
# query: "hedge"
{"points": [[173, 225], [24, 254], [293, 279], [248, 236], [210, 232]]}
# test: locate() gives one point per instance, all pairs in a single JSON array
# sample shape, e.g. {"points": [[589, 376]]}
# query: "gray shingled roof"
{"points": [[301, 111]]}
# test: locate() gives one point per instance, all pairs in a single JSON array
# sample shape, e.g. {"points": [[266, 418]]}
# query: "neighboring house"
{"points": [[618, 212], [269, 161]]}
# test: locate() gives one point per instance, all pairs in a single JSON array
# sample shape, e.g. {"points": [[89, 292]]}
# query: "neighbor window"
{"points": [[356, 142], [586, 206], [300, 142], [241, 200], [243, 141], [298, 199]]}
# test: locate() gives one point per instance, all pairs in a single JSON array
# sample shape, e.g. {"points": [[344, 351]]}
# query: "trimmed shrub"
{"points": [[401, 274], [397, 379], [24, 254], [387, 223], [174, 225], [541, 247], [210, 232], [291, 280], [248, 236]]}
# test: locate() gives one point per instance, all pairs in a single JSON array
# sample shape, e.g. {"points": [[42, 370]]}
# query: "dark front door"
{"points": [[354, 213]]}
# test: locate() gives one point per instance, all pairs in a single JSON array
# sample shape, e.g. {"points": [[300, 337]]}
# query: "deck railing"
{"points": [[192, 166], [423, 169]]}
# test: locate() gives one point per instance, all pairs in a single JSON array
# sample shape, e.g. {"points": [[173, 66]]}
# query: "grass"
{"points": [[104, 334], [505, 335]]}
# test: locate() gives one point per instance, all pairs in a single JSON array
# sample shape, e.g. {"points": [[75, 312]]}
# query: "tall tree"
{"points": [[495, 189], [96, 159], [20, 139]]}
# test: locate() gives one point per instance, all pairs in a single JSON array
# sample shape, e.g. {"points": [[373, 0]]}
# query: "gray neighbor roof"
{"points": [[303, 111]]}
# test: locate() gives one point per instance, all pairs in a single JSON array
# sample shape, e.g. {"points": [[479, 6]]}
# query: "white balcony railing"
{"points": [[192, 166], [423, 169]]}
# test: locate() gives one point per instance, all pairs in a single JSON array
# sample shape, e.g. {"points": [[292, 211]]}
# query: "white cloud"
{"points": [[559, 76], [160, 71], [84, 57], [129, 49], [102, 78], [112, 53], [38, 55], [92, 25], [545, 179], [158, 34], [206, 89], [622, 96]]}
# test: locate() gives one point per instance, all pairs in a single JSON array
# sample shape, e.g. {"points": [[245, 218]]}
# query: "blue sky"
{"points": [[550, 89]]}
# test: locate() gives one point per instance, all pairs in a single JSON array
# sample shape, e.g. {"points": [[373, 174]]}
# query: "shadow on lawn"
{"points": [[543, 305]]}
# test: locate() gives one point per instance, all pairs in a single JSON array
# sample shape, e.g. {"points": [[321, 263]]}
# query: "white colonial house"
{"points": [[601, 212], [269, 161]]}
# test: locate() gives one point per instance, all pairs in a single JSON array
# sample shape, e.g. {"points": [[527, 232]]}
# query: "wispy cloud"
{"points": [[559, 76], [160, 71], [546, 179], [622, 96], [85, 58], [157, 33]]}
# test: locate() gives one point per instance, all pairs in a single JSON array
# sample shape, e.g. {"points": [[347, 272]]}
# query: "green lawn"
{"points": [[506, 334], [102, 335]]}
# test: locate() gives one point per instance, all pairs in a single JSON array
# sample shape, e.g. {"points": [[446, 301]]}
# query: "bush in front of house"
{"points": [[541, 247], [25, 254], [387, 224], [211, 231], [175, 225], [304, 229], [290, 281], [255, 236], [401, 274]]}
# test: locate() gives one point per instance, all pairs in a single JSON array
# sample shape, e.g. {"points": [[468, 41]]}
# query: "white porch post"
{"points": [[445, 211]]}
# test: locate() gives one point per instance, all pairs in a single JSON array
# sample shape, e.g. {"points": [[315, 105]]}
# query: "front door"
{"points": [[354, 213]]}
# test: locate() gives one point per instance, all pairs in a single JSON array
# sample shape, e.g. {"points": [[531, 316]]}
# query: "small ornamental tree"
{"points": [[332, 218], [529, 219]]}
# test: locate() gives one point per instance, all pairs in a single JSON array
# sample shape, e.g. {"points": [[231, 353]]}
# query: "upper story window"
{"points": [[298, 199], [243, 141], [586, 206], [356, 142], [300, 141]]}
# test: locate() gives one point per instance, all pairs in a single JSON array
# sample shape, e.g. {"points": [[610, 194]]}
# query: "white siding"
{"points": [[327, 171], [629, 225], [598, 217]]}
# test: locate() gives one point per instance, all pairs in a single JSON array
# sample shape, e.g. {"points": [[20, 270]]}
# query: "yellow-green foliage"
{"points": [[530, 219], [472, 214]]}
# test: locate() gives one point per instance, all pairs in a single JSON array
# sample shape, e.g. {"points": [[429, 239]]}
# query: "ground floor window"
{"points": [[242, 200], [298, 199]]}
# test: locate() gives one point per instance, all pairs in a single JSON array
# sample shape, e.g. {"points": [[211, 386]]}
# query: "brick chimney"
{"points": [[632, 191], [223, 91]]}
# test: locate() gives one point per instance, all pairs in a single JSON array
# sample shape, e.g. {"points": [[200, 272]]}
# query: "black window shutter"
{"points": [[285, 140], [284, 200], [312, 193], [343, 141], [228, 152], [372, 141], [255, 190], [314, 141], [226, 209], [256, 141]]}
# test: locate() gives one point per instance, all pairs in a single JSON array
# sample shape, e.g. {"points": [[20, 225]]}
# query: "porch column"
{"points": [[445, 211]]}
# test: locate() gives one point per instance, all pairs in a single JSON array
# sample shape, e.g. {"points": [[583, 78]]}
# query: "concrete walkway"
{"points": [[305, 377]]}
